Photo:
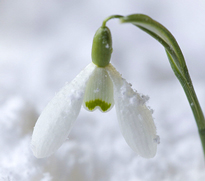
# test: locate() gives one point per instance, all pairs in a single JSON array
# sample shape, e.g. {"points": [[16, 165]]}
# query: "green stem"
{"points": [[110, 17], [196, 109], [193, 101]]}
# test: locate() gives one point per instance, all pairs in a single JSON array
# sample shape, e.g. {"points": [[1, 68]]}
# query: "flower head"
{"points": [[98, 86]]}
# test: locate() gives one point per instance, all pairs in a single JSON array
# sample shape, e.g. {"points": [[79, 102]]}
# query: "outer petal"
{"points": [[55, 122], [135, 119]]}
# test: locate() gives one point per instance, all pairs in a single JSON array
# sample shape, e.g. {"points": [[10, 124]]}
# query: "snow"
{"points": [[47, 43]]}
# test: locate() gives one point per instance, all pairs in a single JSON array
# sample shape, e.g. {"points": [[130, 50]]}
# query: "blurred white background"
{"points": [[44, 44]]}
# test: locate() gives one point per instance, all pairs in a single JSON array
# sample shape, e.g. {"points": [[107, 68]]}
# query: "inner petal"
{"points": [[99, 91]]}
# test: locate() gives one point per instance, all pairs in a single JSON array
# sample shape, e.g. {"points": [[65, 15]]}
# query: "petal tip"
{"points": [[38, 152]]}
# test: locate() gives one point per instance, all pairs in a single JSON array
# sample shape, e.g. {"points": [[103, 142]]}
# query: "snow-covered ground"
{"points": [[44, 44]]}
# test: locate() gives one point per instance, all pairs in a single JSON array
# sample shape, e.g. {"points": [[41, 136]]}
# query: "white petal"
{"points": [[55, 122], [99, 91], [135, 119]]}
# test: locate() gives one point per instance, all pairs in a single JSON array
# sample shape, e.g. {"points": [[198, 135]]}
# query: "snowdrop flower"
{"points": [[98, 86]]}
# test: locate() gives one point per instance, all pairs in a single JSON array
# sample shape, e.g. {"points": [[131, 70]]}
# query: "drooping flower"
{"points": [[98, 86]]}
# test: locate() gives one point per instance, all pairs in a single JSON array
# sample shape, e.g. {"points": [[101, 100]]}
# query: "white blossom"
{"points": [[96, 88]]}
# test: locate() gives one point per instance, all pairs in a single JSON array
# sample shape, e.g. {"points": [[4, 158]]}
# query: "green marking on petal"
{"points": [[97, 102]]}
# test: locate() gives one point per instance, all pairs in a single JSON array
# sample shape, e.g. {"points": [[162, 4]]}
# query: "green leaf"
{"points": [[177, 62], [161, 34]]}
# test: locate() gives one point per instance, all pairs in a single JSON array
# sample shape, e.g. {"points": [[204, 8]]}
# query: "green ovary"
{"points": [[97, 102]]}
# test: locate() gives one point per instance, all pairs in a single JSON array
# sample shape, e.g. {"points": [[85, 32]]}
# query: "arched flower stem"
{"points": [[110, 17]]}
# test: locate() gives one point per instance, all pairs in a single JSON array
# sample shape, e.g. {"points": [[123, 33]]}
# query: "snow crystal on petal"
{"points": [[157, 139]]}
